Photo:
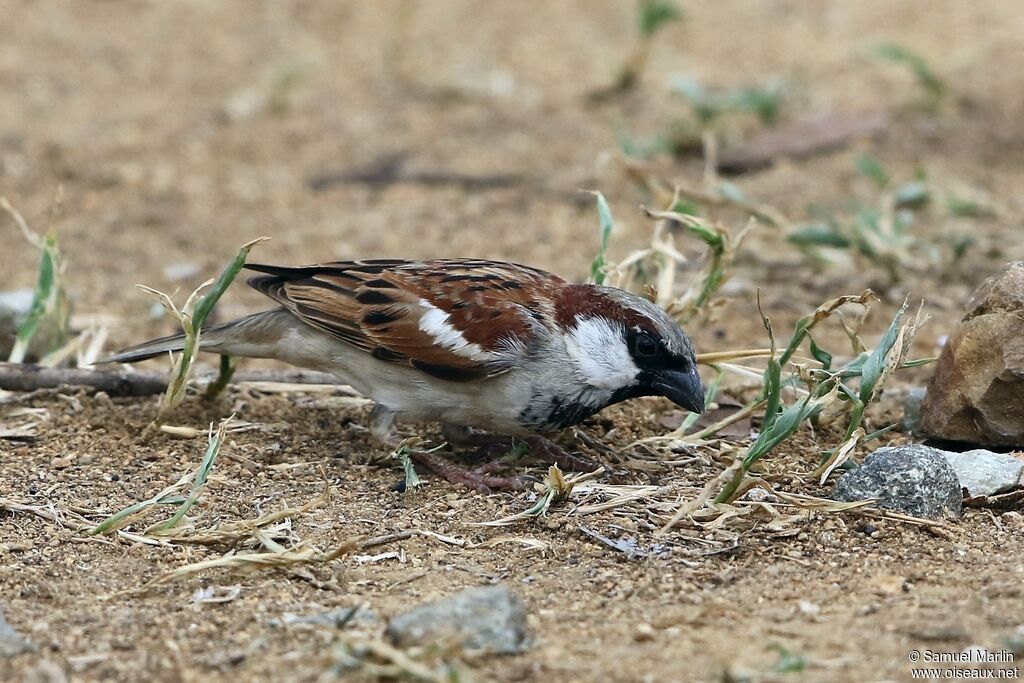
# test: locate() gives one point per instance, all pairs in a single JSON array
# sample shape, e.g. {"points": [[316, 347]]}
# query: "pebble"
{"points": [[11, 642], [643, 633], [1012, 519], [488, 619], [985, 473], [913, 479]]}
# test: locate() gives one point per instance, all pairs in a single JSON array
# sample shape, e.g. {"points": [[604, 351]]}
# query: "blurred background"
{"points": [[356, 129]]}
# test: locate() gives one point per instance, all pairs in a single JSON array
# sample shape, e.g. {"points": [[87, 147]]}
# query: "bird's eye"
{"points": [[646, 346]]}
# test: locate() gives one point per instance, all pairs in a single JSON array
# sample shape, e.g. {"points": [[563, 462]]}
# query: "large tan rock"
{"points": [[977, 392]]}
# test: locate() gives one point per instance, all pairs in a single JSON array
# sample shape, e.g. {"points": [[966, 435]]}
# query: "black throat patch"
{"points": [[552, 413]]}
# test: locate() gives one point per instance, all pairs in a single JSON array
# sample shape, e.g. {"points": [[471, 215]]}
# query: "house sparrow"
{"points": [[467, 342]]}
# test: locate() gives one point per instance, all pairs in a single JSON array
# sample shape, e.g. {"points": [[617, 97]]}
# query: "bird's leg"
{"points": [[382, 423], [474, 479], [488, 446], [553, 454], [493, 446]]}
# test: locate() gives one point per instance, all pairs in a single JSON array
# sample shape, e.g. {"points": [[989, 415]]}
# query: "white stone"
{"points": [[984, 472]]}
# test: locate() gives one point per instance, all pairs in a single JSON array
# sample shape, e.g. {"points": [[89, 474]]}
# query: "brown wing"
{"points": [[455, 319]]}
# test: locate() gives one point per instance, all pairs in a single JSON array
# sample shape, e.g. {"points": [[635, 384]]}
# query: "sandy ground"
{"points": [[180, 130]]}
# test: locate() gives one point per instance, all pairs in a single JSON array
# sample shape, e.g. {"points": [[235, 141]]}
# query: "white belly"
{"points": [[514, 402]]}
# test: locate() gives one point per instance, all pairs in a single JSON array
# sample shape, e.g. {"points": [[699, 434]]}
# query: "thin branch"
{"points": [[122, 382]]}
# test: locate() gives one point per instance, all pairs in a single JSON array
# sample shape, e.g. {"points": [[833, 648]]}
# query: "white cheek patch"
{"points": [[436, 323], [599, 350]]}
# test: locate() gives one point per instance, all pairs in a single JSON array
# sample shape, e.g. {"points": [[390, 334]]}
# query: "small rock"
{"points": [[984, 473], [644, 633], [62, 462], [809, 608], [181, 271], [490, 619], [11, 642], [245, 104], [913, 479], [16, 301], [14, 306], [760, 495], [911, 421], [977, 392], [1012, 519]]}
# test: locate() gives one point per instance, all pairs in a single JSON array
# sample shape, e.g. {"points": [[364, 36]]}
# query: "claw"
{"points": [[477, 481]]}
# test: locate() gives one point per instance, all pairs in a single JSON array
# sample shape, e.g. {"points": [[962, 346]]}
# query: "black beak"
{"points": [[682, 388]]}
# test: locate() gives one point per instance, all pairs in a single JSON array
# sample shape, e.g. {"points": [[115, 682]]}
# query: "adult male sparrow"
{"points": [[467, 342]]}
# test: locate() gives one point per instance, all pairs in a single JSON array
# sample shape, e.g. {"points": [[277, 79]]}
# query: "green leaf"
{"points": [[874, 364], [689, 88], [787, 422], [225, 373], [968, 208], [788, 662], [111, 522], [821, 355], [912, 195], [412, 480], [192, 326], [643, 148], [216, 438], [871, 168], [960, 244], [731, 191], [687, 207], [917, 362], [818, 235], [772, 380], [604, 214], [765, 102], [879, 433], [656, 13], [49, 302], [206, 303], [706, 106], [897, 54]]}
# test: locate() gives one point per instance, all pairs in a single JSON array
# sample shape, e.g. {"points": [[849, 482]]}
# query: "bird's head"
{"points": [[624, 344]]}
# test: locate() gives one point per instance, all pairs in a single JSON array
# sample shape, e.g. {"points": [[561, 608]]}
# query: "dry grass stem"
{"points": [[70, 519], [556, 488], [701, 501], [246, 562]]}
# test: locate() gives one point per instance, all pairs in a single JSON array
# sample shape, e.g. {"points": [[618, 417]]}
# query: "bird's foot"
{"points": [[550, 452], [492, 446], [481, 479]]}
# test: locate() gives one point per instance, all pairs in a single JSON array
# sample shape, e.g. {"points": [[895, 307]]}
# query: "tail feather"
{"points": [[149, 349], [249, 336]]}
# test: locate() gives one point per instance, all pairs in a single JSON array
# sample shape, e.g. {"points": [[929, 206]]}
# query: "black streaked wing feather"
{"points": [[375, 305]]}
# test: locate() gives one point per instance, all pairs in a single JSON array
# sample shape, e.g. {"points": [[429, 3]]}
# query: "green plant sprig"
{"points": [[882, 232], [169, 495], [824, 385], [652, 17], [607, 224], [934, 88], [199, 478], [192, 316], [50, 307]]}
